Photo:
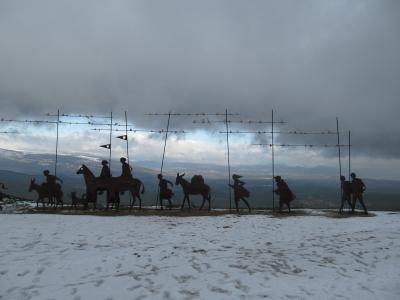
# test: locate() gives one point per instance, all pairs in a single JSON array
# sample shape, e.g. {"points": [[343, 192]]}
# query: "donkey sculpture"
{"points": [[113, 185], [193, 189], [43, 191]]}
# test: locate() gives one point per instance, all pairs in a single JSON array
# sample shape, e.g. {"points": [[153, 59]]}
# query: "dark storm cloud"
{"points": [[309, 60]]}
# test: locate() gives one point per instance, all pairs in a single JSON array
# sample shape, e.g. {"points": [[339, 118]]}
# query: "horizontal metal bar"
{"points": [[310, 146], [191, 114], [78, 116], [141, 130], [281, 132], [238, 122]]}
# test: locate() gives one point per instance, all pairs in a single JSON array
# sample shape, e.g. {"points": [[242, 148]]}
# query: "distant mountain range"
{"points": [[319, 189]]}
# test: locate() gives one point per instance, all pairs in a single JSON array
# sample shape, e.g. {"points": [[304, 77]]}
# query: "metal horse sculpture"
{"points": [[113, 186], [44, 192], [189, 189]]}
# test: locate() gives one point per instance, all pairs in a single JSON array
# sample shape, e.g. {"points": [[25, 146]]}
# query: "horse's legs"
{"points": [[132, 202], [188, 199], [108, 199], [202, 204], [183, 203], [288, 205], [117, 200], [209, 202]]}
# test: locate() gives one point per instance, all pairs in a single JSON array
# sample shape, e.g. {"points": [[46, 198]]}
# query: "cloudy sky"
{"points": [[310, 61]]}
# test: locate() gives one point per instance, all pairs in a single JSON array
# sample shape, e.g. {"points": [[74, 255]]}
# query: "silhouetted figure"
{"points": [[195, 187], [346, 193], [240, 192], [44, 192], [52, 185], [51, 179], [105, 174], [113, 185], [105, 171], [165, 192], [126, 168], [285, 194], [358, 188], [2, 186]]}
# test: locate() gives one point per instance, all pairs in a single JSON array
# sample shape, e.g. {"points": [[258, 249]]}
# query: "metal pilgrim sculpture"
{"points": [[3, 187], [195, 187], [358, 188], [113, 186], [285, 194], [240, 192], [351, 191], [49, 189], [346, 191], [164, 191]]}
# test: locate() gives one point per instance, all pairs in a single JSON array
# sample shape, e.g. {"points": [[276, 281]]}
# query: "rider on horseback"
{"points": [[51, 180], [51, 185], [126, 168], [105, 174], [105, 171]]}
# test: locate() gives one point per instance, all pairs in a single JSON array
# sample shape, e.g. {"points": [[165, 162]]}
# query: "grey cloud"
{"points": [[309, 60]]}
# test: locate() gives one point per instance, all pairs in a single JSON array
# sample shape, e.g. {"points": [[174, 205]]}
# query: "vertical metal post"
{"points": [[58, 122], [338, 145], [340, 160], [163, 157], [349, 156], [165, 142], [273, 162], [127, 152], [229, 163], [111, 120], [127, 140]]}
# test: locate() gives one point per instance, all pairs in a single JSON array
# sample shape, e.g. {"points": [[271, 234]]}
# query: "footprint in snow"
{"points": [[23, 273]]}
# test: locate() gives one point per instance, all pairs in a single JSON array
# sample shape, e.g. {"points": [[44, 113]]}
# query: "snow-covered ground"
{"points": [[224, 257]]}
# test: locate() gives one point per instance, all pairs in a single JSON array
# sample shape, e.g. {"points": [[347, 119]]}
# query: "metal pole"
{"points": [[229, 163], [165, 142], [127, 152], [273, 162], [338, 143], [58, 122], [111, 120], [126, 134], [340, 160], [163, 156], [349, 156]]}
